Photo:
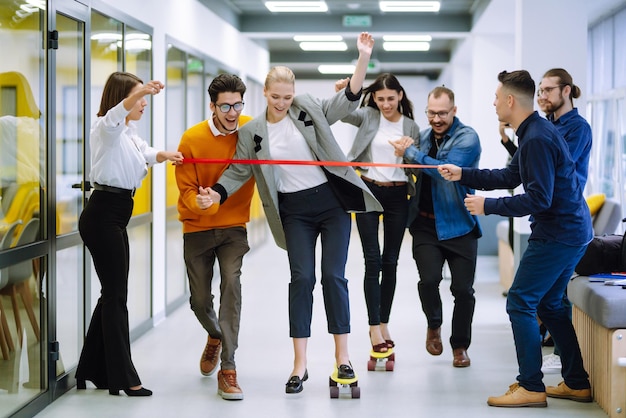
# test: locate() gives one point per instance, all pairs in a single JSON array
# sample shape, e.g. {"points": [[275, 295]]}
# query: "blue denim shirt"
{"points": [[552, 192], [461, 147]]}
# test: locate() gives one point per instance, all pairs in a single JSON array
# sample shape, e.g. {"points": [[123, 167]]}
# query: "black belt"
{"points": [[427, 215], [384, 183], [113, 189]]}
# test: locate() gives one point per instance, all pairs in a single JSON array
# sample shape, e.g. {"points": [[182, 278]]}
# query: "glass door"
{"points": [[70, 126]]}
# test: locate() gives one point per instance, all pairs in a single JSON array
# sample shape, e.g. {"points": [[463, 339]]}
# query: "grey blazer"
{"points": [[313, 118], [367, 119]]}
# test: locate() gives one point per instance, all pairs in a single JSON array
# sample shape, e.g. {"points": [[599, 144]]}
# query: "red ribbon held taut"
{"points": [[301, 162]]}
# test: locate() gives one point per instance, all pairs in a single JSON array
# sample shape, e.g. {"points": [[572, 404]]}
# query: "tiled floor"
{"points": [[421, 385]]}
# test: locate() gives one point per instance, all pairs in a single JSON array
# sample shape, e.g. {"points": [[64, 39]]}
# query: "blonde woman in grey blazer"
{"points": [[303, 202], [386, 113]]}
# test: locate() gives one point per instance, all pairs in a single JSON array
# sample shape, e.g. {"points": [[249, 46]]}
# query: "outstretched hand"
{"points": [[475, 204], [341, 84], [450, 172], [400, 145], [365, 44]]}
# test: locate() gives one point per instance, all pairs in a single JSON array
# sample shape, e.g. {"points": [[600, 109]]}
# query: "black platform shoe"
{"points": [[345, 372], [294, 384]]}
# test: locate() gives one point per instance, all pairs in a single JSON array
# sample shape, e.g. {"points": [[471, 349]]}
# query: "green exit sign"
{"points": [[362, 21]]}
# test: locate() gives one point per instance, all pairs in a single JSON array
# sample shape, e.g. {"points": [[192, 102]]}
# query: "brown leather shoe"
{"points": [[433, 341], [461, 359], [517, 397], [563, 391]]}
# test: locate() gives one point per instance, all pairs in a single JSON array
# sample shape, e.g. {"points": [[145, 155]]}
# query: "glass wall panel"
{"points": [[106, 56], [69, 124], [620, 51], [601, 39], [138, 53], [140, 275], [22, 160], [69, 313], [177, 86]]}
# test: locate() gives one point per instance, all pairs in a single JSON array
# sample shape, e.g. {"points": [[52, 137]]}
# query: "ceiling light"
{"points": [[296, 6], [409, 6], [406, 46], [323, 46], [336, 69], [407, 38], [318, 38]]}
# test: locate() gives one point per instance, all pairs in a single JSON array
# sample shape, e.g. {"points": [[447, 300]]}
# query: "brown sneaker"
{"points": [[563, 391], [227, 386], [210, 356], [517, 397]]}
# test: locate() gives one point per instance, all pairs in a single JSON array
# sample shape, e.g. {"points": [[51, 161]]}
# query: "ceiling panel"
{"points": [[452, 24]]}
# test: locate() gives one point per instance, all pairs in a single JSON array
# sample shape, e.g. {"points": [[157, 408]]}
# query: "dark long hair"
{"points": [[387, 81], [117, 88]]}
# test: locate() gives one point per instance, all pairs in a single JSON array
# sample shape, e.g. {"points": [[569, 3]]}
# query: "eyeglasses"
{"points": [[225, 107], [442, 115], [545, 91]]}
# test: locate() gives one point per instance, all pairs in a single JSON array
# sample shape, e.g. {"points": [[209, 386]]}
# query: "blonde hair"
{"points": [[279, 74]]}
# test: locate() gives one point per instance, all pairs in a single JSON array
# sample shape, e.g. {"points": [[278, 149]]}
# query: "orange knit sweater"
{"points": [[199, 142]]}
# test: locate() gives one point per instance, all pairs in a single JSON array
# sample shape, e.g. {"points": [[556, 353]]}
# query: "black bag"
{"points": [[604, 254]]}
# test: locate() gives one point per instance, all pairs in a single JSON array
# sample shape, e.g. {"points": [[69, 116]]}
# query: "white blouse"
{"points": [[119, 157]]}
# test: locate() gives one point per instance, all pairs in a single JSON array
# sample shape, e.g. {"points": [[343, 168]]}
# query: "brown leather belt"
{"points": [[113, 189], [384, 183], [427, 215]]}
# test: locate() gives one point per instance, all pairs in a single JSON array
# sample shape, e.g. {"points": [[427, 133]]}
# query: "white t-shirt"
{"points": [[287, 143], [383, 151]]}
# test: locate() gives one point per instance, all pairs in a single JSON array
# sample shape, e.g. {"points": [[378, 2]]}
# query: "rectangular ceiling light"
{"points": [[407, 38], [323, 46], [318, 38], [409, 6], [296, 6], [336, 69], [406, 46]]}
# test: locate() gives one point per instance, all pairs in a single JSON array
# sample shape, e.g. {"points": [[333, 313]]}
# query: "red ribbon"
{"points": [[300, 162]]}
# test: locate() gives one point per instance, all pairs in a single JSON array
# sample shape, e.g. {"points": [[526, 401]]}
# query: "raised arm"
{"points": [[365, 44]]}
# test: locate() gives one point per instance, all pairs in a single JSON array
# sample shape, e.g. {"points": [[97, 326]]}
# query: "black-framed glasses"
{"points": [[545, 91], [225, 107], [442, 115]]}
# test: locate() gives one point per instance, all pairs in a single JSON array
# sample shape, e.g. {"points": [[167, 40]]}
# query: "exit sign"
{"points": [[363, 21]]}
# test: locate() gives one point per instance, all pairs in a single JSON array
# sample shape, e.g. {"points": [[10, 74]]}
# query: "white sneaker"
{"points": [[551, 364]]}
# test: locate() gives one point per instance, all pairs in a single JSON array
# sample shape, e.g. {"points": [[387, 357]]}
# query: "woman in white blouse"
{"points": [[119, 161]]}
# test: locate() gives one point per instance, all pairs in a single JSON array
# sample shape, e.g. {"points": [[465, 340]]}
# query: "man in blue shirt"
{"points": [[561, 230], [555, 98], [442, 229]]}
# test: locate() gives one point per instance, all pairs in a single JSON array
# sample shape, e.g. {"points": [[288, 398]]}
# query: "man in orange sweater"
{"points": [[209, 234]]}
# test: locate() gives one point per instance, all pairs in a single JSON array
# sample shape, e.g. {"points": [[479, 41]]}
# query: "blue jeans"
{"points": [[541, 279], [380, 288], [305, 216]]}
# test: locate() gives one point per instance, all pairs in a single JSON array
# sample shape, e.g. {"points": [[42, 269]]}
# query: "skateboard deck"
{"points": [[344, 387], [382, 361]]}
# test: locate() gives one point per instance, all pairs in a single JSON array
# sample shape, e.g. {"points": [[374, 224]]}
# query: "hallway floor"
{"points": [[420, 386]]}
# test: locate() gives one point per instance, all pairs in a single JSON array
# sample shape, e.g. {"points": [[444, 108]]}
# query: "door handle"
{"points": [[83, 185]]}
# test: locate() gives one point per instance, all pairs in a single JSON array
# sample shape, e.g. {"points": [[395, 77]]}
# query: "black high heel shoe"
{"points": [[131, 392], [294, 384]]}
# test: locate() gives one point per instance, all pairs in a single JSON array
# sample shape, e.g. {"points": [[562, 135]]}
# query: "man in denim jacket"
{"points": [[442, 229]]}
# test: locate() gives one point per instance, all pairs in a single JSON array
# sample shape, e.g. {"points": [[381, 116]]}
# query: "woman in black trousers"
{"points": [[120, 160]]}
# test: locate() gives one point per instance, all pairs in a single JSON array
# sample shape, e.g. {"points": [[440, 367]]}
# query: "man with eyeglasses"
{"points": [[442, 229], [555, 98], [561, 230], [209, 234]]}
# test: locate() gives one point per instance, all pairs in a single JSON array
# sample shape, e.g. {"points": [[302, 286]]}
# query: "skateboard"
{"points": [[344, 387], [381, 361]]}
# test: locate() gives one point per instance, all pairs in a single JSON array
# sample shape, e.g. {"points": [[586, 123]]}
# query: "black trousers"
{"points": [[430, 254], [105, 359]]}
